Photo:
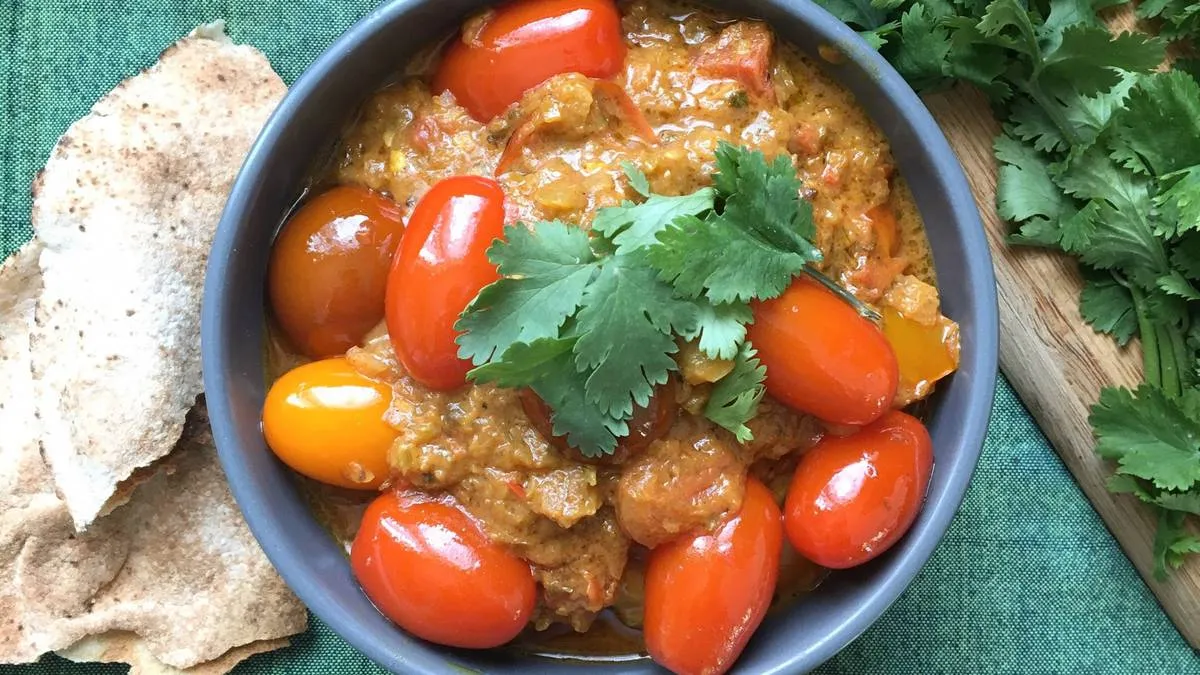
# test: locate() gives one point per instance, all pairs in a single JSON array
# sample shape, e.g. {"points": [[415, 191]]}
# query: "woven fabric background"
{"points": [[1027, 580]]}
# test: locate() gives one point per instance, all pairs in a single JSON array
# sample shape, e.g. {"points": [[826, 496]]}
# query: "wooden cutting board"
{"points": [[1054, 360]]}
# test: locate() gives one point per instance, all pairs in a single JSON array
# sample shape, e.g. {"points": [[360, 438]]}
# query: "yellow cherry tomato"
{"points": [[325, 420]]}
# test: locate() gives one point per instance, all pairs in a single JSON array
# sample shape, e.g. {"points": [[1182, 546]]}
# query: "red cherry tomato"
{"points": [[329, 269], [519, 45], [429, 568], [822, 358], [706, 594], [442, 264], [853, 497]]}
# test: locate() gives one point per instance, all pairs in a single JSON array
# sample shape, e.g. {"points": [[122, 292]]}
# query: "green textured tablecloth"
{"points": [[1027, 580]]}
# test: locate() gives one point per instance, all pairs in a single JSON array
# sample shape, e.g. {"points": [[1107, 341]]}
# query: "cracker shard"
{"points": [[126, 209]]}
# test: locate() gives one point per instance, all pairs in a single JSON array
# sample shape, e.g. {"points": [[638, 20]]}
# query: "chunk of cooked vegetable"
{"points": [[329, 268], [741, 53]]}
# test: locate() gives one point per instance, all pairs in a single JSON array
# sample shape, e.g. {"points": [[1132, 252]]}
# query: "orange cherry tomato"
{"points": [[442, 264], [329, 269], [647, 425], [519, 45], [325, 420], [707, 594], [822, 358], [853, 497], [430, 569]]}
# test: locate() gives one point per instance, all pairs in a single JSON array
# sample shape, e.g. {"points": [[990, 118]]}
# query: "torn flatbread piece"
{"points": [[26, 490], [177, 567], [126, 209], [126, 647]]}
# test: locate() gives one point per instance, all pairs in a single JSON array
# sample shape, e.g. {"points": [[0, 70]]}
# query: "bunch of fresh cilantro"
{"points": [[590, 321], [1099, 158]]}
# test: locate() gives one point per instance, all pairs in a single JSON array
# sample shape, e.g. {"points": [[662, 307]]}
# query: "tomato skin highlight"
{"points": [[853, 497], [325, 420], [440, 267], [430, 569], [329, 267], [822, 358], [521, 44], [707, 594]]}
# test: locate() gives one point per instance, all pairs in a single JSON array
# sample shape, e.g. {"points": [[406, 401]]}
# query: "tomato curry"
{"points": [[488, 527]]}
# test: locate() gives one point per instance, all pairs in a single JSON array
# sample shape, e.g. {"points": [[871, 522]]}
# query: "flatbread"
{"points": [[126, 209], [176, 566], [26, 490], [126, 647]]}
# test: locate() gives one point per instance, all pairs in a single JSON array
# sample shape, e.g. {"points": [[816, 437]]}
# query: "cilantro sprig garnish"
{"points": [[591, 321], [1099, 158]]}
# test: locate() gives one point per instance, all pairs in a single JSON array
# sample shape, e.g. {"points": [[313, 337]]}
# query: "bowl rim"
{"points": [[979, 278]]}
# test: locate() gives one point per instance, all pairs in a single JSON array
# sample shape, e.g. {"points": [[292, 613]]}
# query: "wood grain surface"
{"points": [[1054, 360]]}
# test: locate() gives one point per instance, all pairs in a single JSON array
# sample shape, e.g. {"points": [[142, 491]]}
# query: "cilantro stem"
{"points": [[1168, 364], [1178, 351], [1151, 363], [864, 310]]}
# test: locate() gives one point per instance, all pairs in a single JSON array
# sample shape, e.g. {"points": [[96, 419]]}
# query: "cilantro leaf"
{"points": [[722, 262], [734, 398], [631, 226], [1175, 284], [1172, 542], [1185, 257], [1160, 124], [545, 271], [721, 328], [547, 366], [637, 179], [753, 247], [1108, 307], [1186, 502], [523, 362], [765, 199], [1086, 57], [1149, 435], [1032, 123], [921, 57], [1180, 18], [1180, 201], [625, 334], [591, 431], [1123, 234], [862, 14], [1025, 189]]}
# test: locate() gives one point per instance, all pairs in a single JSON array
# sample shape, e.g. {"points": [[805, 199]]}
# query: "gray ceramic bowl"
{"points": [[299, 135]]}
